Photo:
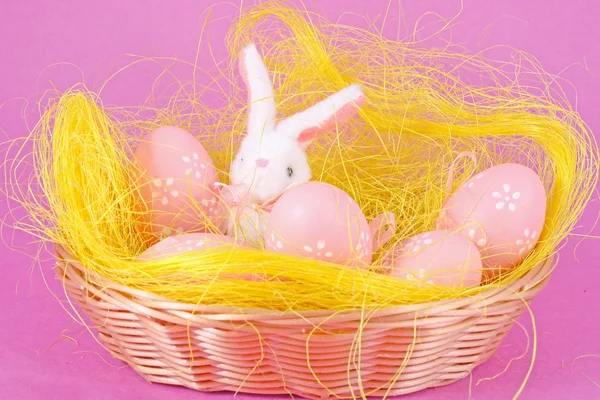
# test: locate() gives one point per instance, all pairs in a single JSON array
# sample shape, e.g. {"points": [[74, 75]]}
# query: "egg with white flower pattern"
{"points": [[438, 257], [319, 221], [198, 242], [176, 178], [187, 242], [502, 210]]}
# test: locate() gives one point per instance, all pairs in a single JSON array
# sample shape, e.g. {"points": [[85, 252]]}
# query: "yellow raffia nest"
{"points": [[419, 115]]}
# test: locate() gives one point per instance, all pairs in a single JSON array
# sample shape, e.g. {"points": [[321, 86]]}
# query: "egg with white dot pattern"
{"points": [[177, 178], [188, 242], [319, 221], [502, 211], [438, 257]]}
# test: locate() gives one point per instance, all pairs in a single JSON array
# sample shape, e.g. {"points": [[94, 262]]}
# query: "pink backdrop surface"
{"points": [[44, 355]]}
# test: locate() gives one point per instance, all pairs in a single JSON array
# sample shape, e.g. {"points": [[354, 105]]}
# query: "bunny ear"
{"points": [[261, 113], [324, 116]]}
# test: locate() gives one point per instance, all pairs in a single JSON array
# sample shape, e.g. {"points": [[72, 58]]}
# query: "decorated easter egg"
{"points": [[177, 183], [502, 211], [187, 242], [438, 257], [319, 221]]}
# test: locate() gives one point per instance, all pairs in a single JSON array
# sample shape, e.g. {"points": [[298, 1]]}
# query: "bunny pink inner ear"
{"points": [[344, 114], [244, 73]]}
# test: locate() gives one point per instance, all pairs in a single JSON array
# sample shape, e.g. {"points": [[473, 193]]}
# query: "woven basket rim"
{"points": [[529, 281]]}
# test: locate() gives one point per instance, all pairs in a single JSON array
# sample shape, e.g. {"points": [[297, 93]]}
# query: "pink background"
{"points": [[36, 362]]}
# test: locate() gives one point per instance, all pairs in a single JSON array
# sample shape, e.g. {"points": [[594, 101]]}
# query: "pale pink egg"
{"points": [[188, 242], [502, 211], [319, 221], [438, 257], [177, 183]]}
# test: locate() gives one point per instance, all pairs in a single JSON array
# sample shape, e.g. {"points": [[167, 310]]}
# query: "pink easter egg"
{"points": [[319, 221], [438, 257], [177, 183], [187, 242], [502, 211]]}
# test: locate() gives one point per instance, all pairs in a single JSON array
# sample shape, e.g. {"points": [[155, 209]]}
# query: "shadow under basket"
{"points": [[211, 348]]}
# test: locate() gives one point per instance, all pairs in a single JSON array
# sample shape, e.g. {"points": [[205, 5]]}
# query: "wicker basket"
{"points": [[266, 352]]}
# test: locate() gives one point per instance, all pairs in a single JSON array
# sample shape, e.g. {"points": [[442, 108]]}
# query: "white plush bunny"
{"points": [[272, 157]]}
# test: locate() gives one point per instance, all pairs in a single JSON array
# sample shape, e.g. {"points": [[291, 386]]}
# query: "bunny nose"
{"points": [[262, 162]]}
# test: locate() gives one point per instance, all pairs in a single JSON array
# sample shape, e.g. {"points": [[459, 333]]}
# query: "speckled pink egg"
{"points": [[319, 221], [438, 257], [187, 242], [502, 211], [178, 178]]}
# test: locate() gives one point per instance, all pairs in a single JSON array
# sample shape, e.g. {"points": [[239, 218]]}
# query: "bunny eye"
{"points": [[290, 171]]}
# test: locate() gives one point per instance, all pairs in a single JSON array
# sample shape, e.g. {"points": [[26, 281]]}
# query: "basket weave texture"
{"points": [[211, 348]]}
